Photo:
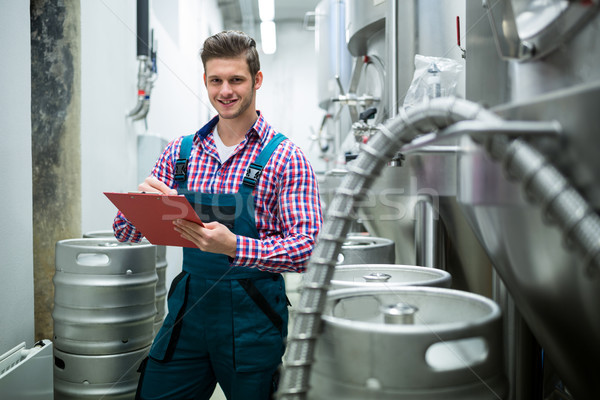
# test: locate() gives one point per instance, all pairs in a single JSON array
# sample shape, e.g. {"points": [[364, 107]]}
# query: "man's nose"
{"points": [[226, 88]]}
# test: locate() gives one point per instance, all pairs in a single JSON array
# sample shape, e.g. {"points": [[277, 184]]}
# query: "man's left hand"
{"points": [[214, 237]]}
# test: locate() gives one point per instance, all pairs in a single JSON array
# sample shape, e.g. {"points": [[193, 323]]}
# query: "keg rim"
{"points": [[375, 241], [494, 315], [437, 276]]}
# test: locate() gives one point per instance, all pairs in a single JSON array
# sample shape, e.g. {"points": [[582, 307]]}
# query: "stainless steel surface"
{"points": [[399, 314], [488, 80], [96, 377], [452, 351], [354, 276], [376, 277], [388, 210], [333, 57], [527, 30], [161, 272], [104, 297], [363, 20], [366, 249], [427, 234], [550, 282]]}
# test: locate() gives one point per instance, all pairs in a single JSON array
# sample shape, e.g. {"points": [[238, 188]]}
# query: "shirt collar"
{"points": [[260, 128]]}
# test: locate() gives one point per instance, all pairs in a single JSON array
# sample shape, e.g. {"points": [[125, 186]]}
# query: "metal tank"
{"points": [[447, 345], [387, 275], [547, 55], [413, 202], [366, 249], [104, 296], [161, 272], [95, 377]]}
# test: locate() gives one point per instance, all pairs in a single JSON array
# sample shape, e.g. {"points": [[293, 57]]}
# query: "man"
{"points": [[258, 196]]}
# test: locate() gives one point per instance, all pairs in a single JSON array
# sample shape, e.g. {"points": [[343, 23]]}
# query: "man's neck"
{"points": [[233, 131]]}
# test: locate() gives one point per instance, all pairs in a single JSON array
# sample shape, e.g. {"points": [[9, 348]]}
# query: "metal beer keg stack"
{"points": [[104, 315]]}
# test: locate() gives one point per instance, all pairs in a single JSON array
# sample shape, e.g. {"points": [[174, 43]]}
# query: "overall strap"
{"points": [[255, 169], [181, 165]]}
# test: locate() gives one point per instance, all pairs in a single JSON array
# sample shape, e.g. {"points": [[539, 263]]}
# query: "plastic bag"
{"points": [[433, 77]]}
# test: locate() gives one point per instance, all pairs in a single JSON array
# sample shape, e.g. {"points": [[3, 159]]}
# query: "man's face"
{"points": [[230, 87]]}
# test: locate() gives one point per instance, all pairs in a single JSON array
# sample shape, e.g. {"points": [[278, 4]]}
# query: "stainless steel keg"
{"points": [[104, 297], [387, 275], [367, 249], [95, 377], [161, 286], [161, 271], [408, 343]]}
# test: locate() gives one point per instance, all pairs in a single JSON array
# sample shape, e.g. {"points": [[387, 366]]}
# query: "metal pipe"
{"points": [[426, 233], [143, 28], [541, 180], [391, 27]]}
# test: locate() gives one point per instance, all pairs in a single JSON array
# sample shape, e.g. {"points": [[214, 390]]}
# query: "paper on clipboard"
{"points": [[153, 215]]}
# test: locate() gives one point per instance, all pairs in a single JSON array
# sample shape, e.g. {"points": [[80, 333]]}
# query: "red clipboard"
{"points": [[153, 215]]}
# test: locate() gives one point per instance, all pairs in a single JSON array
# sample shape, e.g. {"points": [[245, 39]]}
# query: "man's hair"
{"points": [[231, 44]]}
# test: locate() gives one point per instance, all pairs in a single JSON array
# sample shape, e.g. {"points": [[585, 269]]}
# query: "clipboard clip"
{"points": [[181, 169]]}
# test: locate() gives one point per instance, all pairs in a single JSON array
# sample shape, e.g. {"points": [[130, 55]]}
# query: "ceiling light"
{"points": [[268, 37], [266, 10]]}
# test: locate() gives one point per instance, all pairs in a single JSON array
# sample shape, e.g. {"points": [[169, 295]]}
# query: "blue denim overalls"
{"points": [[225, 324]]}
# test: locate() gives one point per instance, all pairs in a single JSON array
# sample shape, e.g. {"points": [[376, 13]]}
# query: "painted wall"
{"points": [[16, 233]]}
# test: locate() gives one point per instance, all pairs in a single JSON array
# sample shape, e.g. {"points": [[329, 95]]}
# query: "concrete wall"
{"points": [[16, 232]]}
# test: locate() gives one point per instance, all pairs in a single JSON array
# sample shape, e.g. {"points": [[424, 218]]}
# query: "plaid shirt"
{"points": [[287, 204]]}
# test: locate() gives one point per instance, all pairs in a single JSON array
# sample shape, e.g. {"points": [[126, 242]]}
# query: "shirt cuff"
{"points": [[247, 253]]}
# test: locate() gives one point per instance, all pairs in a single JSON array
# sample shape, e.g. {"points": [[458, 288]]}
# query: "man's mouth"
{"points": [[227, 102]]}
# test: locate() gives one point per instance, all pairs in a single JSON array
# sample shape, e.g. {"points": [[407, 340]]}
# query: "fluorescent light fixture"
{"points": [[266, 10], [268, 37]]}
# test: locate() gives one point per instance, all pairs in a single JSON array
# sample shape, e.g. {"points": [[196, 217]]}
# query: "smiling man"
{"points": [[258, 196]]}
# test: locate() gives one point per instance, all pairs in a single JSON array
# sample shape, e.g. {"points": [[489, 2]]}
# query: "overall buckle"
{"points": [[253, 174], [181, 169]]}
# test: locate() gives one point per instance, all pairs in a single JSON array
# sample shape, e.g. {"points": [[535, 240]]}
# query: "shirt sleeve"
{"points": [[124, 230], [299, 214]]}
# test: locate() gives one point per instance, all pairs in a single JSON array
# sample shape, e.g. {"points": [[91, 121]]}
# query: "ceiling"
{"points": [[243, 14]]}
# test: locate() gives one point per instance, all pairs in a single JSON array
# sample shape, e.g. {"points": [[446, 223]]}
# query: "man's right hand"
{"points": [[153, 185]]}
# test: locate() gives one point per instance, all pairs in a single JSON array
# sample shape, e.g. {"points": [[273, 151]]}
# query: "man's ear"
{"points": [[258, 79], [204, 78]]}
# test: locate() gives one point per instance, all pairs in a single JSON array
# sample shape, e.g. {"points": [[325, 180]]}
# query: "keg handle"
{"points": [[377, 277]]}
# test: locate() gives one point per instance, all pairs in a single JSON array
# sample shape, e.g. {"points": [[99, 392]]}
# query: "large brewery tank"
{"points": [[546, 70]]}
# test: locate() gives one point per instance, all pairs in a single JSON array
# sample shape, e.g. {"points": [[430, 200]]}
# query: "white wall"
{"points": [[288, 97], [16, 235]]}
